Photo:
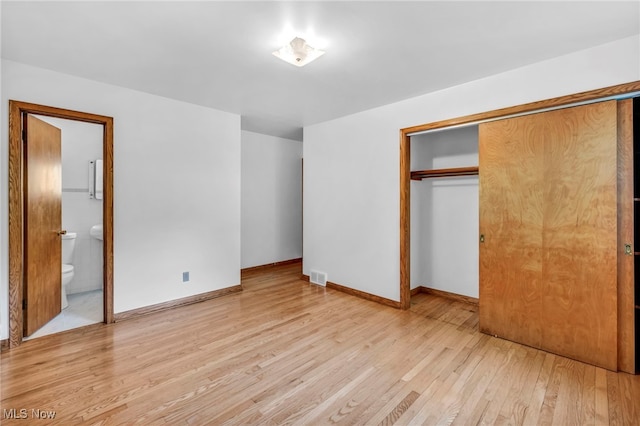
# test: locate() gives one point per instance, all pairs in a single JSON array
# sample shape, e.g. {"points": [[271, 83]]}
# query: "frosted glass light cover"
{"points": [[297, 52]]}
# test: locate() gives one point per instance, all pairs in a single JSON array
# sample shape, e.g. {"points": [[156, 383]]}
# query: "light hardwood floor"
{"points": [[287, 352]]}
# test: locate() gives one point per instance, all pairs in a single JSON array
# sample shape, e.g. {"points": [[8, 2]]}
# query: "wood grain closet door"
{"points": [[511, 194], [548, 214], [579, 290]]}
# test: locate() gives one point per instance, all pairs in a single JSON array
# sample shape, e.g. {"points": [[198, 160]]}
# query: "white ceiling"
{"points": [[218, 54]]}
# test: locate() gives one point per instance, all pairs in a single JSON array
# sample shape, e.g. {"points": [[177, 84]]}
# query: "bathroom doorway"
{"points": [[79, 218], [96, 253]]}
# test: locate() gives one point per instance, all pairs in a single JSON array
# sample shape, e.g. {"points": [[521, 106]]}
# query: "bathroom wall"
{"points": [[81, 143], [176, 186], [271, 199]]}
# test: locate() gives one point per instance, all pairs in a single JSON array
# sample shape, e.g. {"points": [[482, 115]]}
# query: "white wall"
{"points": [[176, 186], [271, 199], [351, 174], [444, 213], [81, 143]]}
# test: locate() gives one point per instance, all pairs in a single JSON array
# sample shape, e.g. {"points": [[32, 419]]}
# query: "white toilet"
{"points": [[68, 244]]}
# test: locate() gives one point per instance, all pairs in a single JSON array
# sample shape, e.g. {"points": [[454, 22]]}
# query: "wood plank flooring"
{"points": [[287, 352]]}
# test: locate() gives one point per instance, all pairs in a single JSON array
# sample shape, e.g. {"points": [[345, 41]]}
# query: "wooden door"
{"points": [[511, 169], [579, 291], [548, 215], [42, 223]]}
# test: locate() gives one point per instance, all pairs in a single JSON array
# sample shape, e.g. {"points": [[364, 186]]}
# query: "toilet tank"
{"points": [[68, 244]]}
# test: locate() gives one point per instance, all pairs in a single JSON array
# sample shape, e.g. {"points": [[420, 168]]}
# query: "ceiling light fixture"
{"points": [[298, 52]]}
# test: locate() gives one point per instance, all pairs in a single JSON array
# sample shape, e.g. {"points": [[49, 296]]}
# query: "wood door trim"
{"points": [[562, 101], [405, 222], [626, 320], [405, 159], [16, 195]]}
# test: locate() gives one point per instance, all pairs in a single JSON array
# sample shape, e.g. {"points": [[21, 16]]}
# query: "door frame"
{"points": [[16, 203]]}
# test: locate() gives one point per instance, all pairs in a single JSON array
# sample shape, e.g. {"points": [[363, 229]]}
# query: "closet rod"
{"points": [[460, 171]]}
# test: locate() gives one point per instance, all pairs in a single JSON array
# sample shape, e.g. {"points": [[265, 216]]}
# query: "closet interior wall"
{"points": [[444, 213]]}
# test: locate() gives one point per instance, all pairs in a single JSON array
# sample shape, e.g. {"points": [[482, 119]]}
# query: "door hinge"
{"points": [[24, 304], [24, 135]]}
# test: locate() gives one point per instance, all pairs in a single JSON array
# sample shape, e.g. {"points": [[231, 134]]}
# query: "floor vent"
{"points": [[318, 277]]}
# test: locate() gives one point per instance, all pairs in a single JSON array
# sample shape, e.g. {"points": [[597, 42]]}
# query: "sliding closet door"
{"points": [[579, 291], [548, 215], [511, 172]]}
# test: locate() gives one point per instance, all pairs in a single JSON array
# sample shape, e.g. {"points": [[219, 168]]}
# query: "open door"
{"points": [[43, 223]]}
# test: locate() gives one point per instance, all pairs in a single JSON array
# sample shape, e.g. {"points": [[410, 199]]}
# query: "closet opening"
{"points": [[444, 213]]}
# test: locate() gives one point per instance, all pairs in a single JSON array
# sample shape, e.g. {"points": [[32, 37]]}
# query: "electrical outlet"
{"points": [[185, 277]]}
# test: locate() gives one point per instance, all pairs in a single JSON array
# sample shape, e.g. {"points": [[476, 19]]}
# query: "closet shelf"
{"points": [[435, 173]]}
